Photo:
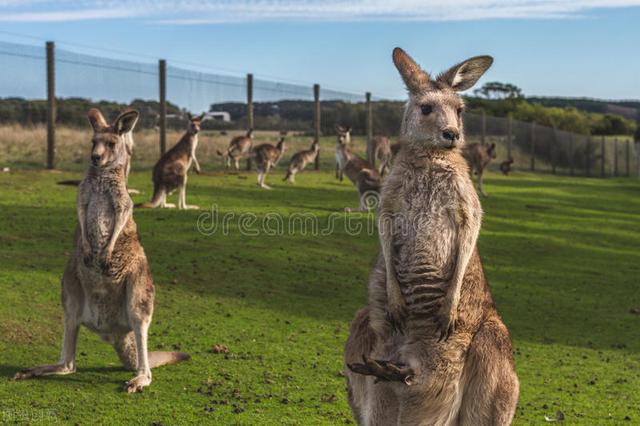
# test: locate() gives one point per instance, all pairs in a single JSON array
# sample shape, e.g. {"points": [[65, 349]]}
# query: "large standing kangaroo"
{"points": [[430, 348], [107, 284]]}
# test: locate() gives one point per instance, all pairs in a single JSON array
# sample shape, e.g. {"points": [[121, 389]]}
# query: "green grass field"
{"points": [[561, 255]]}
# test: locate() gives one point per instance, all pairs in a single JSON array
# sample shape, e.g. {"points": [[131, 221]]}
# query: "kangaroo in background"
{"points": [[267, 156], [240, 146], [300, 160], [430, 336], [107, 285], [381, 150], [478, 157], [343, 139], [362, 174], [505, 166], [170, 172]]}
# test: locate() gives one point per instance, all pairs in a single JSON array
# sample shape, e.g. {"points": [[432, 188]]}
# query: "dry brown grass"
{"points": [[22, 146]]}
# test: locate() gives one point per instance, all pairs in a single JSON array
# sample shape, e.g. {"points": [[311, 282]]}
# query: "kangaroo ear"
{"points": [[201, 116], [465, 74], [126, 121], [414, 77], [347, 129], [338, 128], [96, 119]]}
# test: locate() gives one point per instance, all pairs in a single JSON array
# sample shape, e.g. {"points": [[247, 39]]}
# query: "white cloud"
{"points": [[220, 11]]}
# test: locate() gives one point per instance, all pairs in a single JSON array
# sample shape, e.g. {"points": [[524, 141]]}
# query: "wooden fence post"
{"points": [[370, 155], [162, 73], [533, 146], [316, 120], [587, 154], [615, 157], [509, 136], [51, 105], [483, 136], [628, 159], [602, 157], [249, 110]]}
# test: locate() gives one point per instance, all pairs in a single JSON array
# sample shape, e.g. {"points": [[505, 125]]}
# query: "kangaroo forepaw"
{"points": [[384, 371], [446, 323]]}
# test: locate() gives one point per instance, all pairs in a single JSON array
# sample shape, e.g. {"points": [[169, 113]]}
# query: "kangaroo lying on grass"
{"points": [[382, 152], [300, 160], [430, 348], [479, 156], [170, 172], [362, 174], [107, 285], [267, 156], [240, 146]]}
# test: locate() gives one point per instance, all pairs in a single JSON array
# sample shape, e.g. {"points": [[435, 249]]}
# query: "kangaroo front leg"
{"points": [[67, 364], [469, 219], [123, 206], [196, 165], [81, 206], [396, 306]]}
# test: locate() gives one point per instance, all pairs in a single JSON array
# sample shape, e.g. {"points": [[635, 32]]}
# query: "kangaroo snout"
{"points": [[95, 159], [451, 135]]}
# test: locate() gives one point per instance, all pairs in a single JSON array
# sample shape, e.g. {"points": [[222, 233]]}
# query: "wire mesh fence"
{"points": [[164, 93]]}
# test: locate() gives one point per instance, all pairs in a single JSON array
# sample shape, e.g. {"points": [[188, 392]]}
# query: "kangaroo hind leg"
{"points": [[490, 383]]}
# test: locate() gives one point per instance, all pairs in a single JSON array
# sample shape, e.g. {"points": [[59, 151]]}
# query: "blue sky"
{"points": [[548, 47]]}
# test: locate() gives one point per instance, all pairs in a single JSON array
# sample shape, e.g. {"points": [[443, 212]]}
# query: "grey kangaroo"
{"points": [[240, 146], [343, 140], [267, 156], [300, 160], [478, 157], [170, 172], [381, 150], [430, 347], [362, 174], [107, 284]]}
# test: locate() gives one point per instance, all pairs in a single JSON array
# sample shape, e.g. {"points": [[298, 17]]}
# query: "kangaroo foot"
{"points": [[44, 370], [383, 370], [137, 384]]}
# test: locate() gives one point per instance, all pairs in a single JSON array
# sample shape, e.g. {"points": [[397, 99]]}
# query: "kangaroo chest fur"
{"points": [[100, 213], [425, 228]]}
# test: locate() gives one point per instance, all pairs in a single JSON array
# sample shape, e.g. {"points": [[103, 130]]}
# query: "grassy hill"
{"points": [[561, 255]]}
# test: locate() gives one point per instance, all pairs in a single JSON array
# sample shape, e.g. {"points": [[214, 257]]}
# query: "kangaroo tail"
{"points": [[158, 193], [221, 154], [156, 359]]}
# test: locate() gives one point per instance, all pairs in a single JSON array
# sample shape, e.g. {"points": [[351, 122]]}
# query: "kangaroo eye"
{"points": [[460, 111], [426, 109]]}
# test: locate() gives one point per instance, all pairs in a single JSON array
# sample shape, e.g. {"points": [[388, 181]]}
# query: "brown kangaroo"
{"points": [[505, 166], [362, 174], [240, 146], [300, 160], [381, 150], [107, 285], [478, 157], [267, 156], [430, 347], [170, 172]]}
